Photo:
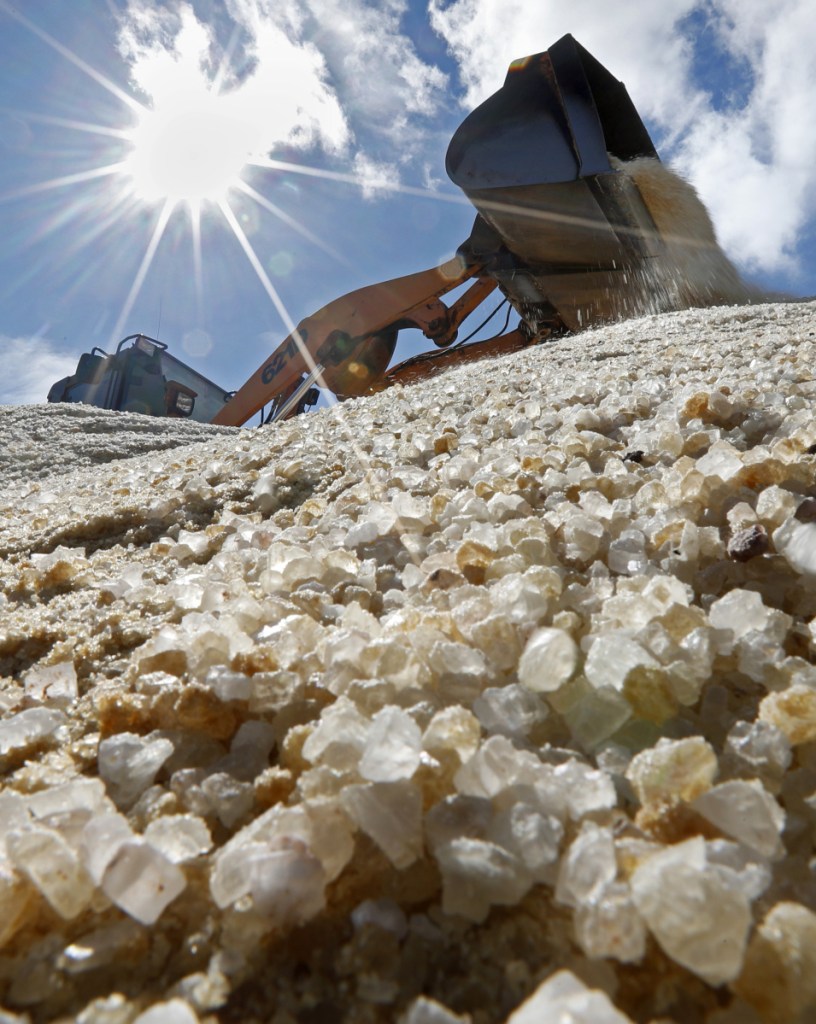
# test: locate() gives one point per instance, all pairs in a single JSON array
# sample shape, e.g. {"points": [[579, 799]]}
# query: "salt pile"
{"points": [[487, 700]]}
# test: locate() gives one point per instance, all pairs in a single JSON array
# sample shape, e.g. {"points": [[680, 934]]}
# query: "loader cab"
{"points": [[141, 376]]}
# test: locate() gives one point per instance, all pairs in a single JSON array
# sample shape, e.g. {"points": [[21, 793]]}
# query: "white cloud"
{"points": [[30, 367], [283, 97], [337, 73], [372, 62], [754, 164], [756, 167], [376, 179]]}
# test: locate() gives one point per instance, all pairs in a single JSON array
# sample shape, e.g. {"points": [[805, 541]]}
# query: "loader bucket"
{"points": [[540, 160]]}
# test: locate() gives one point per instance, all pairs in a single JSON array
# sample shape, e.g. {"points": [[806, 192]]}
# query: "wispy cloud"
{"points": [[30, 367], [753, 160], [375, 178]]}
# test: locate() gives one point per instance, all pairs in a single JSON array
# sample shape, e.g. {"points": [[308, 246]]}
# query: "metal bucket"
{"points": [[540, 160]]}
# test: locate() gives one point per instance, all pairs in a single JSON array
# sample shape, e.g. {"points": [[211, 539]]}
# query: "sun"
{"points": [[192, 147]]}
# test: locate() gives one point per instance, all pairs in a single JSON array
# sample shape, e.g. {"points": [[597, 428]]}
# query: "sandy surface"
{"points": [[434, 695]]}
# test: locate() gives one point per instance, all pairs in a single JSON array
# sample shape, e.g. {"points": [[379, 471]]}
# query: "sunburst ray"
{"points": [[73, 58], [141, 273], [274, 209]]}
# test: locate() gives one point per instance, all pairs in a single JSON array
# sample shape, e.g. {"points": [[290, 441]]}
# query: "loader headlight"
{"points": [[179, 400], [184, 404]]}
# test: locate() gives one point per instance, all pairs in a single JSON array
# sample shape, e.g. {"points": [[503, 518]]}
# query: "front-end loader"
{"points": [[577, 223]]}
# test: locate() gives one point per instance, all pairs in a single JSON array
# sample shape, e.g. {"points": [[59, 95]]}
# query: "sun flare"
{"points": [[189, 148]]}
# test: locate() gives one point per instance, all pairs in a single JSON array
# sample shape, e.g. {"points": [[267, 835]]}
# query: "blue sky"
{"points": [[330, 120]]}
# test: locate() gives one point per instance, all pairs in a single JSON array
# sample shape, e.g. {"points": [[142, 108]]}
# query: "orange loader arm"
{"points": [[346, 346]]}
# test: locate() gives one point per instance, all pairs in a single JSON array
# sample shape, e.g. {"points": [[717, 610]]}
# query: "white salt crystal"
{"points": [[585, 790], [759, 655], [627, 553], [326, 830], [452, 730], [412, 513], [339, 737], [698, 918], [229, 798], [582, 537], [174, 1011], [28, 728], [77, 795], [180, 837], [796, 542], [739, 867], [760, 745], [365, 531], [101, 839], [14, 814], [588, 868], [391, 814], [610, 926], [67, 808], [129, 763], [141, 881], [477, 874], [53, 867], [532, 836], [457, 663], [521, 598], [230, 879], [55, 685], [495, 766], [392, 748], [742, 611], [721, 460], [228, 685], [612, 657], [321, 825], [509, 710], [565, 999], [287, 884], [774, 505], [593, 715], [265, 493], [548, 661], [746, 812]]}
